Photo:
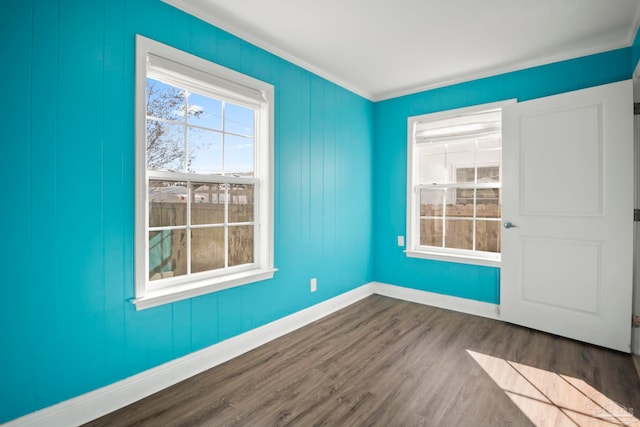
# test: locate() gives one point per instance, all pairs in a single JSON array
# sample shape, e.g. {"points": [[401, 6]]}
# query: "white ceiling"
{"points": [[386, 48]]}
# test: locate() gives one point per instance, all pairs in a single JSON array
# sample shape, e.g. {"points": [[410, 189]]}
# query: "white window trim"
{"points": [[147, 295], [413, 248]]}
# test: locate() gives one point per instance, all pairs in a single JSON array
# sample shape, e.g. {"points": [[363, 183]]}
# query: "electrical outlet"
{"points": [[313, 284], [400, 240]]}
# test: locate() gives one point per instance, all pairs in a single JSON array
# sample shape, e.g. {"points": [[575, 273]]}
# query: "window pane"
{"points": [[490, 162], [165, 146], [460, 202], [431, 149], [431, 232], [462, 146], [467, 174], [240, 245], [167, 254], [204, 111], [241, 203], [238, 120], [207, 249], [164, 101], [207, 203], [238, 155], [205, 151], [431, 202], [488, 174], [462, 166], [459, 234], [167, 203], [488, 236], [488, 203], [489, 143], [432, 169]]}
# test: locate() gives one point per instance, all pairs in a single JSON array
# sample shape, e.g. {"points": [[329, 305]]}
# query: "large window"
{"points": [[454, 182], [204, 187]]}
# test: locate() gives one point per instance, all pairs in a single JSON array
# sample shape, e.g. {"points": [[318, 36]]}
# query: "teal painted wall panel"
{"points": [[43, 216], [17, 238], [116, 223], [67, 324], [460, 280]]}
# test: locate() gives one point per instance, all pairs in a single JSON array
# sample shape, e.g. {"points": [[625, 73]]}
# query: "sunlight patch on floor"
{"points": [[550, 399]]}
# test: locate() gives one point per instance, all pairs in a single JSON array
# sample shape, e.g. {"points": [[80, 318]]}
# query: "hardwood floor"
{"points": [[387, 362]]}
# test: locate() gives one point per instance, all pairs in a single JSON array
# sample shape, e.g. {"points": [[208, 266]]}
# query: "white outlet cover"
{"points": [[400, 240]]}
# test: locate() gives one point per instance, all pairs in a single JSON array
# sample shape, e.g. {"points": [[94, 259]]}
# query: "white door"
{"points": [[567, 262]]}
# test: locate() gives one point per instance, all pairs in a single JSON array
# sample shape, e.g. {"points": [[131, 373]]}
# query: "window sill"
{"points": [[462, 259], [154, 298]]}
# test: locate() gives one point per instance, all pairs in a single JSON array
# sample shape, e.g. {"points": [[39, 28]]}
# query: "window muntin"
{"points": [[454, 205], [204, 182]]}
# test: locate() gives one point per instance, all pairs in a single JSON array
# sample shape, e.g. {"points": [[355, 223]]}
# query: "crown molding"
{"points": [[500, 69]]}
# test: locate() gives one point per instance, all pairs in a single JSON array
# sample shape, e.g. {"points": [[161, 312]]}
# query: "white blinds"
{"points": [[201, 82], [473, 126]]}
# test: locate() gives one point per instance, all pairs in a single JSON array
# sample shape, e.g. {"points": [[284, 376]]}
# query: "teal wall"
{"points": [[390, 164], [66, 326]]}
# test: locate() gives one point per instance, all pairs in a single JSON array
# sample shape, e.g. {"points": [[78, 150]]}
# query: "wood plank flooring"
{"points": [[387, 362]]}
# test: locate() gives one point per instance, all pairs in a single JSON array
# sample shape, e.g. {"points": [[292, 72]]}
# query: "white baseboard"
{"points": [[102, 401], [448, 302]]}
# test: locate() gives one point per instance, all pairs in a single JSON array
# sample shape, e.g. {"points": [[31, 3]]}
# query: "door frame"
{"points": [[635, 331]]}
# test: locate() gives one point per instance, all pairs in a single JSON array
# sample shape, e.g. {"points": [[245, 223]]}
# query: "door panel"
{"points": [[572, 261], [550, 144], [568, 188]]}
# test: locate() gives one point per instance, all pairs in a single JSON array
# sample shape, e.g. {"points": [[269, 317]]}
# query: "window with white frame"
{"points": [[454, 185], [204, 192]]}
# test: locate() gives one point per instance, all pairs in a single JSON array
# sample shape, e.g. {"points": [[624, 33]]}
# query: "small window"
{"points": [[454, 183], [204, 176]]}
